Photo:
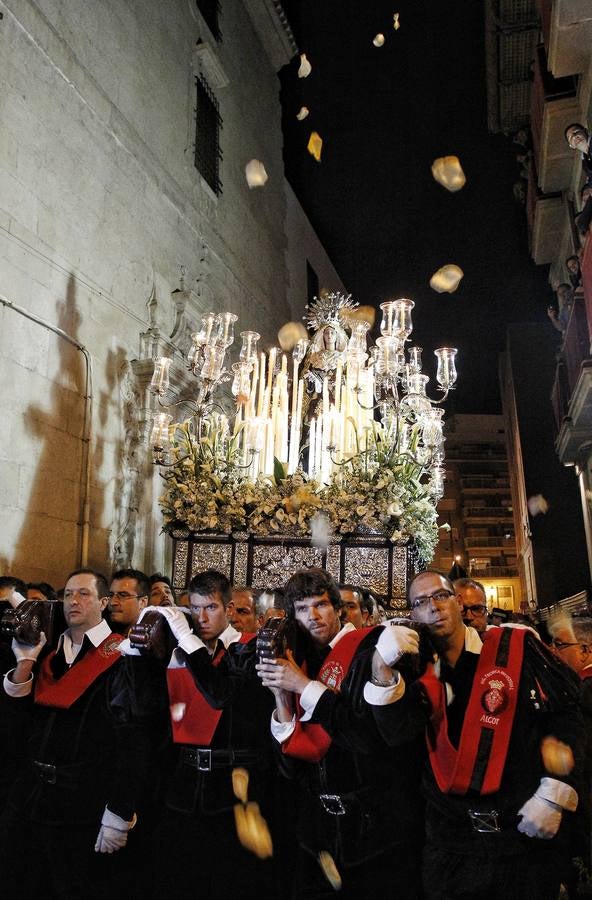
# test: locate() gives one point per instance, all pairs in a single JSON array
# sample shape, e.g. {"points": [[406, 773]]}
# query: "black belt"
{"points": [[46, 772], [333, 804], [204, 760]]}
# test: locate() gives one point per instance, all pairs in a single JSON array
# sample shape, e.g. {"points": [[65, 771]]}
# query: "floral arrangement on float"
{"points": [[328, 435]]}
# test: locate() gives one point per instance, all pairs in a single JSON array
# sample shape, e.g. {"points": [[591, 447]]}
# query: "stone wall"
{"points": [[304, 246], [100, 208]]}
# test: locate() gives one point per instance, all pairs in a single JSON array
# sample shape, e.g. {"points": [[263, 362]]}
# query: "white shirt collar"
{"points": [[229, 636], [473, 642], [96, 635], [349, 626]]}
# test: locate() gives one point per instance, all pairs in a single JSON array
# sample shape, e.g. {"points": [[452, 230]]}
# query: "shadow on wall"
{"points": [[50, 541]]}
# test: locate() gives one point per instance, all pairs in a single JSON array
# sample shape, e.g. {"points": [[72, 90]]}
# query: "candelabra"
{"points": [[332, 407]]}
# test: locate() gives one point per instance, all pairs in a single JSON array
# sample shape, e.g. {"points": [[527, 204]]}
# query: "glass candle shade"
{"points": [[241, 384], [388, 314], [415, 358], [225, 334], [159, 438], [357, 340], [213, 361], [160, 376], [432, 427], [402, 326], [446, 373], [388, 359], [248, 351]]}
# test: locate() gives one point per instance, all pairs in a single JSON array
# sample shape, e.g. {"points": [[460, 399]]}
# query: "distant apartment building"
{"points": [[552, 41], [477, 508]]}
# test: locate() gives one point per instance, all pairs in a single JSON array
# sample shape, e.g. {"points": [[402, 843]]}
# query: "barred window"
{"points": [[210, 10], [207, 135]]}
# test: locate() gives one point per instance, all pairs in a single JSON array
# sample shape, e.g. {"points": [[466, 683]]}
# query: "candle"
{"points": [[272, 355], [319, 447], [311, 449], [284, 418], [253, 391], [325, 396], [338, 378], [261, 385], [298, 423]]}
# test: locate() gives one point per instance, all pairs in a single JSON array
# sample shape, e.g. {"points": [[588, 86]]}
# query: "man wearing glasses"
{"points": [[86, 754], [473, 605], [128, 596], [572, 643], [497, 820], [578, 138]]}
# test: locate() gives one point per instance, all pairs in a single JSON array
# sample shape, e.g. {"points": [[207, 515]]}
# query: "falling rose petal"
{"points": [[396, 23], [378, 40], [320, 531], [448, 172], [289, 335], [302, 114], [446, 279], [305, 67], [537, 505], [240, 784], [558, 757], [330, 870], [315, 145], [177, 711], [255, 173]]}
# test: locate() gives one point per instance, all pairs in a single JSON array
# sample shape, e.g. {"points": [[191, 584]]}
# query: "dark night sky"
{"points": [[384, 115]]}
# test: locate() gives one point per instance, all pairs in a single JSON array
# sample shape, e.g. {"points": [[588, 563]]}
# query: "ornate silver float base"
{"points": [[369, 561]]}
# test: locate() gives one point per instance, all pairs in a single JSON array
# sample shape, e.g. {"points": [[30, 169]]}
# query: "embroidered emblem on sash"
{"points": [[496, 697], [332, 674], [110, 645]]}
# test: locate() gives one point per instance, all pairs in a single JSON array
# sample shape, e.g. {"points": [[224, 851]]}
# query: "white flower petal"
{"points": [[305, 67], [537, 504], [446, 279], [448, 172], [255, 173], [178, 711]]}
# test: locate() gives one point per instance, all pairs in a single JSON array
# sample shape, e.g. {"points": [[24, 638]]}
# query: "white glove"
{"points": [[395, 640], [16, 599], [113, 832], [541, 815], [26, 651], [125, 648], [179, 625]]}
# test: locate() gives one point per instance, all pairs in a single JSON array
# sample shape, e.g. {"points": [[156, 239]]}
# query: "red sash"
{"points": [[310, 741], [193, 720], [479, 762], [63, 692]]}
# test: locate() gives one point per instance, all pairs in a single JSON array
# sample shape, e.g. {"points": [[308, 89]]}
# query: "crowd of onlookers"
{"points": [[571, 288]]}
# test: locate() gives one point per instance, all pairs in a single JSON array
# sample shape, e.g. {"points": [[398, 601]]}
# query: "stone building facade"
{"points": [[113, 243]]}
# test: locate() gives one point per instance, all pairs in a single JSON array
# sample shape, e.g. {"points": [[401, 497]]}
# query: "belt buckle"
{"points": [[46, 771], [484, 822], [203, 759], [333, 804]]}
